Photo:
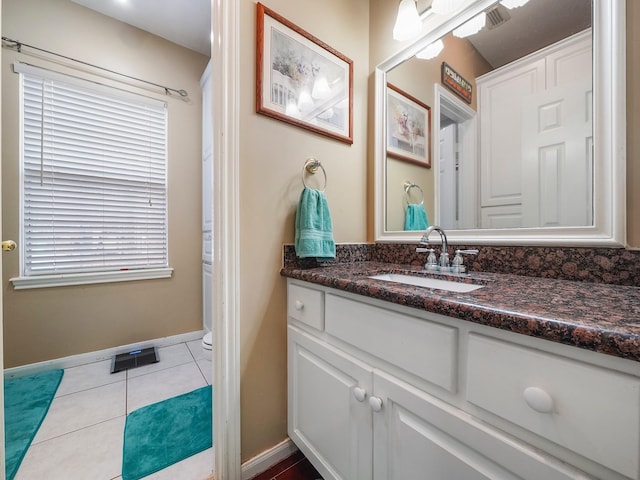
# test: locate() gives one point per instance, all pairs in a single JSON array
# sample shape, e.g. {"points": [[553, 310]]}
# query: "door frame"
{"points": [[447, 103], [2, 453], [225, 58]]}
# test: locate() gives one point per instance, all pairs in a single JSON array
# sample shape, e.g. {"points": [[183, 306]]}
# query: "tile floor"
{"points": [[81, 437]]}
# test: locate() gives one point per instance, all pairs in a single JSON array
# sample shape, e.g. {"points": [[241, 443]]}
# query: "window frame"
{"points": [[24, 281]]}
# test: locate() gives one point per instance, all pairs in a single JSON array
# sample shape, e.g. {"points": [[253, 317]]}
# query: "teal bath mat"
{"points": [[26, 402], [166, 432]]}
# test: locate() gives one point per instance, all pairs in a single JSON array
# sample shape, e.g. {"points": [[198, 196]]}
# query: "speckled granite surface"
{"points": [[596, 265], [593, 315]]}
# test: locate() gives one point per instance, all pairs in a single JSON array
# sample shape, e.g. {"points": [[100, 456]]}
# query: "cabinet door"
{"points": [[417, 436], [329, 416]]}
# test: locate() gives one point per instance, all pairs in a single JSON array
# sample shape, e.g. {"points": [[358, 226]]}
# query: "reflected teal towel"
{"points": [[314, 231], [415, 217]]}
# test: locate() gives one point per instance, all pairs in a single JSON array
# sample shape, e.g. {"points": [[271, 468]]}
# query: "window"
{"points": [[94, 182]]}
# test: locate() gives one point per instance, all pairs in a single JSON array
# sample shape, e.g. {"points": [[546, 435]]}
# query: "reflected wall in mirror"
{"points": [[520, 160]]}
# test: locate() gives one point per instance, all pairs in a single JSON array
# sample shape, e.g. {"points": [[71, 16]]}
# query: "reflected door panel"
{"points": [[557, 157]]}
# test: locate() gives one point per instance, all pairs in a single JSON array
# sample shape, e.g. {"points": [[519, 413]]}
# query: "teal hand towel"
{"points": [[314, 231], [415, 217]]}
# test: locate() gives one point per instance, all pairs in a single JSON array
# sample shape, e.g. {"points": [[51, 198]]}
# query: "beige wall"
{"points": [[42, 324], [272, 154]]}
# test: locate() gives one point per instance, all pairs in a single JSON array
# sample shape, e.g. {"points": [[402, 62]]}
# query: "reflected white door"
{"points": [[448, 177], [557, 152]]}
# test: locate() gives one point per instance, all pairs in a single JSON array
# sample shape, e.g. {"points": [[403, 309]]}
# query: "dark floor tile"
{"points": [[280, 467], [303, 470]]}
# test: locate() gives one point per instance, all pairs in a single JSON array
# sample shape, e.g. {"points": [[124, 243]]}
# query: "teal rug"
{"points": [[26, 403], [166, 432]]}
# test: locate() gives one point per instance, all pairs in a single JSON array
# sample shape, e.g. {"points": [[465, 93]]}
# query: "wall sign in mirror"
{"points": [[408, 127], [456, 83], [302, 80]]}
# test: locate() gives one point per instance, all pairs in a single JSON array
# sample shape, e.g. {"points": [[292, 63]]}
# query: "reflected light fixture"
{"points": [[443, 7], [513, 3], [408, 24], [321, 89], [472, 26], [305, 102], [431, 51], [292, 109]]}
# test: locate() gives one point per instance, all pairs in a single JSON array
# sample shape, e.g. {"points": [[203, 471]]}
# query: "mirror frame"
{"points": [[609, 128]]}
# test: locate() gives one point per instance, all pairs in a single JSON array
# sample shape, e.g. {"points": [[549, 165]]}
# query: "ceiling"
{"points": [[527, 29], [531, 27], [185, 22]]}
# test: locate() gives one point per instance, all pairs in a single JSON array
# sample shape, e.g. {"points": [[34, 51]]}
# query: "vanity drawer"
{"points": [[422, 348], [590, 410], [306, 305]]}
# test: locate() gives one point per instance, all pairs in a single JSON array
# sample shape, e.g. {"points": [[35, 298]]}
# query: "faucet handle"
{"points": [[457, 266], [431, 258]]}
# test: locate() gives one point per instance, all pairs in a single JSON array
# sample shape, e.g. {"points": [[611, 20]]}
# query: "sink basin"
{"points": [[427, 282]]}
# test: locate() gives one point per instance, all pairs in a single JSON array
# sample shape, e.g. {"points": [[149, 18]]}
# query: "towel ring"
{"points": [[408, 185], [311, 166]]}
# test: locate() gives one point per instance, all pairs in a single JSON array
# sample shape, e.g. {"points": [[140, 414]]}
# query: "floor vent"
{"points": [[133, 359]]}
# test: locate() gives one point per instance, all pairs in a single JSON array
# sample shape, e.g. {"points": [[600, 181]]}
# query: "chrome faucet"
{"points": [[444, 255]]}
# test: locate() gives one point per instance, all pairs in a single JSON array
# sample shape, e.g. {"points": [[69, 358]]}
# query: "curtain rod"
{"points": [[18, 45]]}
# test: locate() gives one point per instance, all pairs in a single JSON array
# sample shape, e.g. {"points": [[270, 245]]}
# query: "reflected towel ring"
{"points": [[311, 166], [408, 185]]}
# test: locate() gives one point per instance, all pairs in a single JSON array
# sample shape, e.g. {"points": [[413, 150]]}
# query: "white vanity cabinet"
{"points": [[380, 391]]}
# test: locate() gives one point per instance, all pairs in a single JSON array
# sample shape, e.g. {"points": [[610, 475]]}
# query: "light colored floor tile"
{"points": [[88, 376], [91, 453], [158, 386], [67, 448], [82, 409], [170, 356], [196, 467], [198, 351], [206, 368]]}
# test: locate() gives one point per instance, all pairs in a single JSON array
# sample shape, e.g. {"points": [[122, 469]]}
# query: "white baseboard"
{"points": [[100, 355], [268, 459]]}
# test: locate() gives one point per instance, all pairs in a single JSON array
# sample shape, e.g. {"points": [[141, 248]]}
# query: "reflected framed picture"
{"points": [[302, 80], [408, 127]]}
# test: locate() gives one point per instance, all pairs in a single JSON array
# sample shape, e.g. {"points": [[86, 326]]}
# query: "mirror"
{"points": [[516, 102]]}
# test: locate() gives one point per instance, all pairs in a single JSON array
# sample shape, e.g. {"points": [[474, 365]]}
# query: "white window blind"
{"points": [[94, 194]]}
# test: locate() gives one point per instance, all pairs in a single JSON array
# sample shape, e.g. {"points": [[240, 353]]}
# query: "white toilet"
{"points": [[207, 340]]}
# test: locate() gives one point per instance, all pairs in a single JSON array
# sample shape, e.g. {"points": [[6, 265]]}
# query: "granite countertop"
{"points": [[600, 317]]}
